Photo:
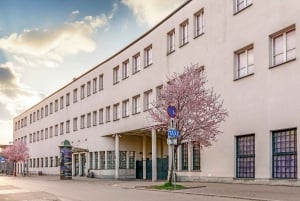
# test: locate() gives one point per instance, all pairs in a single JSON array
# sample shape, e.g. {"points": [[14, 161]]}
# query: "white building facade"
{"points": [[248, 49]]}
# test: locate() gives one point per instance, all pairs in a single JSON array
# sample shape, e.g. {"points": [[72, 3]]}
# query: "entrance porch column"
{"points": [[117, 153], [144, 156], [73, 164], [80, 165], [154, 155]]}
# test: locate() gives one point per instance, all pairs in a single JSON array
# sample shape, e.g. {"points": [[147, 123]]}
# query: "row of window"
{"points": [[284, 155], [97, 117], [283, 49], [43, 162], [97, 160]]}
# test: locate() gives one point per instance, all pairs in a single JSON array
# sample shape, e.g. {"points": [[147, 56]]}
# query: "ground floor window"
{"points": [[284, 149], [102, 159], [96, 160], [245, 156], [123, 159], [196, 157], [131, 159], [111, 160], [184, 156]]}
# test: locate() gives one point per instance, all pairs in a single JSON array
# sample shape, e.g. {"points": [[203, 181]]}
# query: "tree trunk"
{"points": [[15, 169]]}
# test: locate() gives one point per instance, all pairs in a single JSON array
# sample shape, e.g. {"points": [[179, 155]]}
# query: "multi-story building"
{"points": [[249, 53]]}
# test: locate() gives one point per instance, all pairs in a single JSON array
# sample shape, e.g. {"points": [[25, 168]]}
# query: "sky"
{"points": [[44, 44]]}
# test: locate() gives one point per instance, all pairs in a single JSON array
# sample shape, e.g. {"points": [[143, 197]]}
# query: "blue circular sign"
{"points": [[172, 111]]}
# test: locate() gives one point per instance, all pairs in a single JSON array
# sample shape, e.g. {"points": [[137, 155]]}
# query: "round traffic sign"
{"points": [[172, 111]]}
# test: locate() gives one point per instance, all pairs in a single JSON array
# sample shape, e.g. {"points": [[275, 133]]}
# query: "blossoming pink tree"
{"points": [[16, 153], [199, 109]]}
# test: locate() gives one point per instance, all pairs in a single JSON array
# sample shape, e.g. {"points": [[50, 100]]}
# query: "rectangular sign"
{"points": [[172, 133]]}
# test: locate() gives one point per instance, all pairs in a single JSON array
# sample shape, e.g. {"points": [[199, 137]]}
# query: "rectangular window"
{"points": [[82, 119], [171, 41], [51, 161], [241, 4], [116, 113], [38, 136], [95, 118], [244, 62], [101, 119], [125, 108], [88, 88], [82, 93], [284, 149], [89, 120], [158, 95], [196, 157], [136, 104], [148, 56], [245, 156], [199, 23], [75, 124], [283, 46], [125, 69], [61, 128], [42, 134], [61, 102], [131, 159], [42, 114], [147, 100], [37, 115], [102, 160], [116, 75], [96, 160], [46, 133], [51, 108], [51, 131], [100, 82], [67, 99], [184, 156], [56, 105], [46, 161], [46, 110], [30, 118], [74, 95], [68, 126], [56, 161], [184, 33], [136, 63], [95, 85], [111, 158], [56, 130], [107, 114], [123, 159], [30, 138]]}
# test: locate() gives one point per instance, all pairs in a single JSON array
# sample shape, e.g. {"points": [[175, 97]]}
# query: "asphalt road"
{"points": [[50, 188]]}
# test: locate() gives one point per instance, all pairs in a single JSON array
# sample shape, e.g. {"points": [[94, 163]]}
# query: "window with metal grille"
{"points": [[102, 159], [123, 159], [96, 160], [131, 159], [284, 149], [184, 156], [196, 157], [111, 160], [245, 156]]}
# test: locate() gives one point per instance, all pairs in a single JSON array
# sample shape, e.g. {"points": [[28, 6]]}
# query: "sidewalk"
{"points": [[222, 190]]}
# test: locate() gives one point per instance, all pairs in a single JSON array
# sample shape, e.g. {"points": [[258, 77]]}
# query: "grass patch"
{"points": [[169, 186]]}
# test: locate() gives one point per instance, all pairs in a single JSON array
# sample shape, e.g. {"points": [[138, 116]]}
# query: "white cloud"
{"points": [[151, 12], [75, 12], [38, 47]]}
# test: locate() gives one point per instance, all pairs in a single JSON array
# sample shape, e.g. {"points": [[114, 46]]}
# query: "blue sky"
{"points": [[39, 38]]}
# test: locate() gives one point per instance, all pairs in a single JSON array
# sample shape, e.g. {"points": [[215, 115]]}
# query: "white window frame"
{"points": [[284, 35], [247, 59], [95, 85], [88, 88], [147, 100], [88, 120], [107, 114], [136, 104], [75, 98], [199, 23], [243, 3], [184, 33], [101, 116], [171, 41], [148, 56], [116, 112], [82, 90], [82, 121], [95, 118], [136, 63], [125, 69], [116, 75], [75, 126], [125, 108], [101, 82]]}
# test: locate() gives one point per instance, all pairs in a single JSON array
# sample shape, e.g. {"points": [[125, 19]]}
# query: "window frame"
{"points": [[125, 69], [171, 41], [184, 33], [249, 67], [116, 75], [199, 23], [246, 4], [148, 56], [282, 33], [136, 63]]}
